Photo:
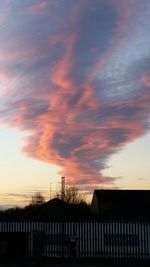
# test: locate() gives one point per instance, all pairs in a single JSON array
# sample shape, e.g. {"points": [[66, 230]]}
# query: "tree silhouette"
{"points": [[72, 195], [37, 199]]}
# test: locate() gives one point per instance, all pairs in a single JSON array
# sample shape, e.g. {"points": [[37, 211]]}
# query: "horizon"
{"points": [[75, 94]]}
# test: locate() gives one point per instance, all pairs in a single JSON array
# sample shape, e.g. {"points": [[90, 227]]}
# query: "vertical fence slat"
{"points": [[92, 239]]}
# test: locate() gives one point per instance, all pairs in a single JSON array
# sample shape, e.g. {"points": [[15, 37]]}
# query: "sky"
{"points": [[74, 96]]}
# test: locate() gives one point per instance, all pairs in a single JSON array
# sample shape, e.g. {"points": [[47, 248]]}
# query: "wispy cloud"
{"points": [[76, 77]]}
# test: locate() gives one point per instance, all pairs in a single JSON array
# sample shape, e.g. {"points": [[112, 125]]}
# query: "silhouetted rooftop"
{"points": [[124, 203]]}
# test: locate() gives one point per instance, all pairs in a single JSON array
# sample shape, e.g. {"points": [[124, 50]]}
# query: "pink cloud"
{"points": [[68, 96], [38, 6]]}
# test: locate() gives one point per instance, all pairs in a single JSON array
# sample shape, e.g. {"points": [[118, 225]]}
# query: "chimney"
{"points": [[62, 187]]}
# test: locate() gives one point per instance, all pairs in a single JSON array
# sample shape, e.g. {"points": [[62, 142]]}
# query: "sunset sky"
{"points": [[74, 96]]}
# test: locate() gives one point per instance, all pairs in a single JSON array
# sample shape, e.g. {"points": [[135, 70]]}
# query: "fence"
{"points": [[87, 239]]}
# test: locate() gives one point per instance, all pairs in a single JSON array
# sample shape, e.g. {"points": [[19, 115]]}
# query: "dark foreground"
{"points": [[66, 265], [45, 264]]}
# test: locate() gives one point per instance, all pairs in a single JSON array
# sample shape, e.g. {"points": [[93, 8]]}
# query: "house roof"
{"points": [[124, 203], [128, 196], [56, 209], [55, 202]]}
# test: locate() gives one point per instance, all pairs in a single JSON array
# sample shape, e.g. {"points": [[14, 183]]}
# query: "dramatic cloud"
{"points": [[74, 74]]}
